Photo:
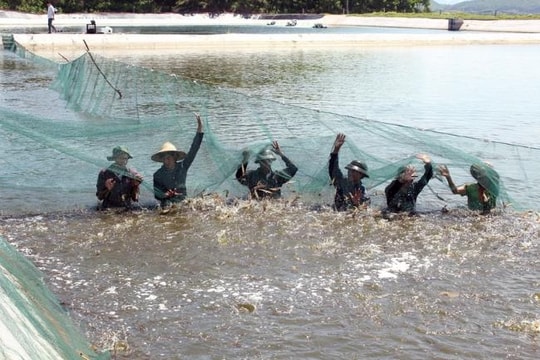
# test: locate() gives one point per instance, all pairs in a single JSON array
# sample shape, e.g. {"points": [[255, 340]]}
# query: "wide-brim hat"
{"points": [[358, 166], [265, 155], [168, 149], [117, 150], [487, 177]]}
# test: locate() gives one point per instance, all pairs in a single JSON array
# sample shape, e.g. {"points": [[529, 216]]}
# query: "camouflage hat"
{"points": [[265, 155], [117, 151], [358, 166], [486, 176]]}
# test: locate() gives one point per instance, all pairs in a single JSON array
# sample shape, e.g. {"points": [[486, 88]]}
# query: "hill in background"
{"points": [[491, 6]]}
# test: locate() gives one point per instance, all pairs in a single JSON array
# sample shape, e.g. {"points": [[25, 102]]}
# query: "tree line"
{"points": [[221, 6]]}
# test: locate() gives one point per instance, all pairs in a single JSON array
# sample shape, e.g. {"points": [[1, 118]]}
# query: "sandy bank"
{"points": [[10, 19], [135, 42]]}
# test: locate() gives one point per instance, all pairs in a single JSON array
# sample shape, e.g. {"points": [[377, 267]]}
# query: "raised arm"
{"points": [[199, 123], [443, 169], [291, 169], [428, 172], [242, 169], [333, 164], [196, 144], [340, 140]]}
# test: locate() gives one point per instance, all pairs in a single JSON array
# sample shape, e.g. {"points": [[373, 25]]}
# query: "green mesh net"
{"points": [[141, 108], [34, 325]]}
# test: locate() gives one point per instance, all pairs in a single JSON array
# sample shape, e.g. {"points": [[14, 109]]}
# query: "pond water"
{"points": [[258, 280]]}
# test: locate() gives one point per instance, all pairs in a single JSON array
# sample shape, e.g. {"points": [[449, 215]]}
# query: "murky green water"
{"points": [[280, 281], [250, 280]]}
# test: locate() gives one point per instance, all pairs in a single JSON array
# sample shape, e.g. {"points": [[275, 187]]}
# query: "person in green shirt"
{"points": [[481, 195]]}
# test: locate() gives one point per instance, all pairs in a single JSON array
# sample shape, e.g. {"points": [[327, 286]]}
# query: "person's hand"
{"points": [[340, 140], [109, 183], [199, 122], [245, 156], [425, 158], [137, 178], [356, 197], [443, 170], [171, 193], [263, 187], [276, 148]]}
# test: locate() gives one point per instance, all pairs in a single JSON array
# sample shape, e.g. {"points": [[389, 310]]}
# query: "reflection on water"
{"points": [[279, 280], [461, 90]]}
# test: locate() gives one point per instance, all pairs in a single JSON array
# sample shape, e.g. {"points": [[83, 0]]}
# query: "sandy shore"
{"points": [[472, 32], [10, 19]]}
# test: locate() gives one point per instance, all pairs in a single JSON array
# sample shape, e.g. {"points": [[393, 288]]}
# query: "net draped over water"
{"points": [[33, 324], [122, 104]]}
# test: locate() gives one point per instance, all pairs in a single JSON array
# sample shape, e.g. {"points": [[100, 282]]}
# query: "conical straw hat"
{"points": [[168, 149]]}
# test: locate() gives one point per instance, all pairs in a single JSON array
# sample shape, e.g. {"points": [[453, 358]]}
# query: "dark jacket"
{"points": [[165, 179], [402, 197], [348, 194], [125, 189], [271, 182]]}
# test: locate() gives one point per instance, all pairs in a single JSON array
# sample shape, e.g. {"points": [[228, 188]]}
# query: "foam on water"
{"points": [[138, 278]]}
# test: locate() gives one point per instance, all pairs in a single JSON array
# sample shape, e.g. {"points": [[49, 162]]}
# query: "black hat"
{"points": [[265, 155], [358, 166]]}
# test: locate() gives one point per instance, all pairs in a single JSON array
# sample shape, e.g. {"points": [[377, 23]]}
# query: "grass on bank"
{"points": [[453, 15]]}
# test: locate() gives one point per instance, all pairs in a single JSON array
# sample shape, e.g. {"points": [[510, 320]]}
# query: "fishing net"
{"points": [[34, 325], [113, 103]]}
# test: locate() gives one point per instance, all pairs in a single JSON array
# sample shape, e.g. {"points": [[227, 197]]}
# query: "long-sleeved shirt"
{"points": [[50, 11], [175, 179], [124, 191], [348, 194], [263, 185], [402, 197]]}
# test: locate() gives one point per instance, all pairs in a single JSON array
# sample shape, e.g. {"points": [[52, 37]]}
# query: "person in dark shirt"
{"points": [[403, 191], [481, 195], [263, 182], [170, 179], [350, 192], [118, 186]]}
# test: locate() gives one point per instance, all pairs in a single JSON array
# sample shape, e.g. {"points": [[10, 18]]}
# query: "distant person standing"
{"points": [[51, 10]]}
